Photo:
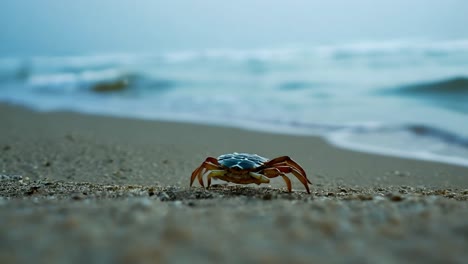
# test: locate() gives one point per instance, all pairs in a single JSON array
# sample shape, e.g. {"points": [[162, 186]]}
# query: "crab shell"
{"points": [[241, 161], [245, 168]]}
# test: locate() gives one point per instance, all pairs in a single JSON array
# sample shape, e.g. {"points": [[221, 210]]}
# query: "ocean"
{"points": [[399, 98]]}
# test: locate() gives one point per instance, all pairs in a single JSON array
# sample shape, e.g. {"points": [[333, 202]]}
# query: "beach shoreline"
{"points": [[158, 148], [74, 186]]}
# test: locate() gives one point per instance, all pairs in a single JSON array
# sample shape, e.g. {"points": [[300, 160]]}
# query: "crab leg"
{"points": [[287, 181], [299, 176], [285, 164], [206, 167], [274, 172], [281, 170], [209, 164], [286, 160], [214, 173], [259, 177], [207, 160]]}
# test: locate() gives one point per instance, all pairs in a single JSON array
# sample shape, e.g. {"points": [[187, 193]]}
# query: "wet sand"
{"points": [[83, 188]]}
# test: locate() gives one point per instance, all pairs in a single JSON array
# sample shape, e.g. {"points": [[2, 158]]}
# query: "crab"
{"points": [[245, 168]]}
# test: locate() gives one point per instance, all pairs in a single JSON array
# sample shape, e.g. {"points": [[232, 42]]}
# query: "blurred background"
{"points": [[379, 76]]}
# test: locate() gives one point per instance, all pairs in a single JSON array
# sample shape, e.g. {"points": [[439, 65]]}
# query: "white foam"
{"points": [[63, 80], [343, 140], [300, 51]]}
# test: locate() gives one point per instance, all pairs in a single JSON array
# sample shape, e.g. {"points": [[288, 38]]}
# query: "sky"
{"points": [[62, 27]]}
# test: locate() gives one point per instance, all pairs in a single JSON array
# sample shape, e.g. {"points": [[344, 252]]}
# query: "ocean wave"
{"points": [[437, 135], [416, 141], [70, 78], [454, 86], [386, 53], [13, 70], [100, 81], [451, 93], [297, 85], [341, 51]]}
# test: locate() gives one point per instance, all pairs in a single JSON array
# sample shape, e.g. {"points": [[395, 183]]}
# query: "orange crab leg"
{"points": [[285, 164], [288, 160], [206, 167], [200, 177], [207, 160], [274, 172], [299, 176], [288, 182], [285, 160], [210, 163], [201, 167]]}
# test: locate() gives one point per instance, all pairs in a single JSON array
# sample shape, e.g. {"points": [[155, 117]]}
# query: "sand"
{"points": [[83, 188]]}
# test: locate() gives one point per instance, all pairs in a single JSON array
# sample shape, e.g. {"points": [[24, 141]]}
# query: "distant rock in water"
{"points": [[133, 83], [454, 86], [111, 86]]}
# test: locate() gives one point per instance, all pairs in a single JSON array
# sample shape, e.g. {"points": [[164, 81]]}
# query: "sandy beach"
{"points": [[94, 189]]}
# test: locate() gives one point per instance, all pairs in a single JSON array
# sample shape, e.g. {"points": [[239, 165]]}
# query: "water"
{"points": [[401, 98]]}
